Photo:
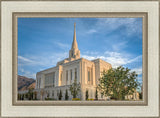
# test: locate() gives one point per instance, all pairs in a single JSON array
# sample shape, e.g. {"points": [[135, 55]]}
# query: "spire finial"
{"points": [[74, 24], [74, 43], [74, 27]]}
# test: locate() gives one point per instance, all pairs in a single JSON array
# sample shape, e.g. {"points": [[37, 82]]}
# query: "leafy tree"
{"points": [[87, 95], [60, 95], [118, 83], [96, 95], [66, 95], [74, 88]]}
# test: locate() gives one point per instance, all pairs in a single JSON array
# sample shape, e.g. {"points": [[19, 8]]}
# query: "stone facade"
{"points": [[51, 81]]}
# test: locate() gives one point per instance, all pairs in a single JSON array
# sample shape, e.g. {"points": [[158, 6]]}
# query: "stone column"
{"points": [[94, 75]]}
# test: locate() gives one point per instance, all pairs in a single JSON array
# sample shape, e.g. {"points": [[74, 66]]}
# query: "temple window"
{"points": [[49, 80], [52, 93], [61, 76], [71, 74], [89, 74], [75, 73], [66, 76]]}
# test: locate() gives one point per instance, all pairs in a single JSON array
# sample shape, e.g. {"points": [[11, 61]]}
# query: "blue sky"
{"points": [[42, 42]]}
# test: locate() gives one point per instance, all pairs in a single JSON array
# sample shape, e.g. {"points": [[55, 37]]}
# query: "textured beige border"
{"points": [[121, 117], [90, 103]]}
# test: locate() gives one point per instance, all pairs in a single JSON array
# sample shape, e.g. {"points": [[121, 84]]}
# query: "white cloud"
{"points": [[135, 59], [89, 57], [29, 74], [138, 70], [91, 31], [21, 69], [62, 45], [139, 78], [118, 59], [110, 24], [119, 46], [42, 60], [114, 58], [26, 73], [24, 59], [91, 52]]}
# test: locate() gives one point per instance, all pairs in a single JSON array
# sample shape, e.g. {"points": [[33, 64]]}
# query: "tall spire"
{"points": [[74, 43], [74, 53]]}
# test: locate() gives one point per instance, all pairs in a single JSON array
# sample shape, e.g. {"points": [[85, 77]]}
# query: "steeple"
{"points": [[74, 43], [74, 53]]}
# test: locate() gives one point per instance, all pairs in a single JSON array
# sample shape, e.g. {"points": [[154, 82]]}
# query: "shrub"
{"points": [[66, 95], [91, 99], [74, 88], [49, 99], [75, 99], [35, 99], [96, 95], [60, 95], [87, 95]]}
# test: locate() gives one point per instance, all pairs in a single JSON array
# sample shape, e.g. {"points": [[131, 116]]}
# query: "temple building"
{"points": [[51, 81]]}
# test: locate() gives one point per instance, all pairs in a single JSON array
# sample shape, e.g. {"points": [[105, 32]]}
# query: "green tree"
{"points": [[118, 82], [66, 95], [96, 95], [60, 95], [87, 95], [74, 88]]}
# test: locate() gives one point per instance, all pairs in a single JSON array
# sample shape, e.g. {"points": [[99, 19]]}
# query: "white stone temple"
{"points": [[49, 82]]}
